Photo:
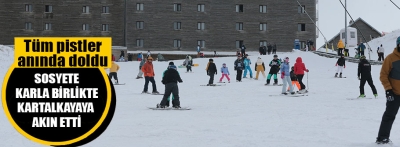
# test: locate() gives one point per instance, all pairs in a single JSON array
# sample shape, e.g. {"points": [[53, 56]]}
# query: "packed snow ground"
{"points": [[388, 43], [238, 114]]}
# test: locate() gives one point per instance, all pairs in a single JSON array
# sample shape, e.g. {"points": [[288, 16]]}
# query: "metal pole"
{"points": [[125, 34], [394, 4], [313, 22], [345, 24]]}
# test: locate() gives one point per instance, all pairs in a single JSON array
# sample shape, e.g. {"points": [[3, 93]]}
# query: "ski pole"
{"points": [[307, 82]]}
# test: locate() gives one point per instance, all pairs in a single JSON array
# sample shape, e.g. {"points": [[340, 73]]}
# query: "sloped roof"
{"points": [[350, 25]]}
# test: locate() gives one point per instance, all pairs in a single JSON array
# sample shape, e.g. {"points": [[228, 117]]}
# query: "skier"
{"points": [[140, 56], [274, 64], [169, 65], [364, 70], [269, 48], [361, 49], [247, 64], [390, 79], [148, 71], [188, 64], [148, 53], [260, 67], [294, 79], [342, 64], [299, 68], [340, 47], [243, 50], [113, 72], [140, 74], [211, 70], [238, 53], [122, 54], [381, 52], [239, 66], [198, 50], [285, 75], [225, 73], [170, 80], [274, 49]]}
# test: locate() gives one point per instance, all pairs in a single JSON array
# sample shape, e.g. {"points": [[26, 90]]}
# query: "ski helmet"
{"points": [[210, 60], [275, 56], [171, 63], [362, 57]]}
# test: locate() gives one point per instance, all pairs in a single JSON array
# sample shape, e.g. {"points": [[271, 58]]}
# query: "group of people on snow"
{"points": [[263, 50]]}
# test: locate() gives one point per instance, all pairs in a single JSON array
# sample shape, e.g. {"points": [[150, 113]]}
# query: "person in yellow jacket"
{"points": [[340, 47], [260, 67], [390, 78], [113, 72]]}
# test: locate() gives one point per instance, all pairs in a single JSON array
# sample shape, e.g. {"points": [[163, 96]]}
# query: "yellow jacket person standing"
{"points": [[260, 67], [113, 72], [390, 78]]}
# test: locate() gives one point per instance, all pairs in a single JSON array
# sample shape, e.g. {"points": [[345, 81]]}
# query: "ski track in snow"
{"points": [[240, 113]]}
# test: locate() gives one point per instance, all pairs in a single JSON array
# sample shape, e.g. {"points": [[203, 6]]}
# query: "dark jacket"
{"points": [[239, 64], [293, 76], [261, 50], [211, 68], [269, 47], [171, 76], [274, 47], [364, 69], [341, 62], [275, 64]]}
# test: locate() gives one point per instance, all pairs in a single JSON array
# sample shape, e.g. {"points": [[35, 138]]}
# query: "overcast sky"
{"points": [[380, 14]]}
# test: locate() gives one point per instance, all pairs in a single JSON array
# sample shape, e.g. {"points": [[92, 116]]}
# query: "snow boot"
{"points": [[155, 92], [145, 92], [177, 107], [268, 81], [275, 81], [382, 141], [361, 96], [336, 75], [376, 95], [159, 106], [340, 76]]}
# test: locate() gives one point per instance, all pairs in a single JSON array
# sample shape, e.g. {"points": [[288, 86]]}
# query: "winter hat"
{"points": [[210, 60], [150, 58], [223, 64], [286, 59], [275, 55], [171, 63], [172, 66]]}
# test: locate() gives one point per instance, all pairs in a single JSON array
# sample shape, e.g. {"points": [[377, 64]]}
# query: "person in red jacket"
{"points": [[299, 68]]}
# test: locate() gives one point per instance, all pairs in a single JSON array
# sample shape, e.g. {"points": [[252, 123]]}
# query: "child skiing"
{"points": [[188, 64], [225, 73], [294, 80], [247, 64], [260, 67], [299, 68], [239, 65], [274, 64], [285, 75], [140, 74], [211, 70], [170, 80], [113, 72], [342, 64]]}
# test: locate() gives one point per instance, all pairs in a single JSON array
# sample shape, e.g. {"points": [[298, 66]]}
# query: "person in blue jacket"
{"points": [[361, 48], [139, 57], [285, 75], [247, 67]]}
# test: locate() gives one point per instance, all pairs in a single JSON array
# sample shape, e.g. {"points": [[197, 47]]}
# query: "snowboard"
{"points": [[221, 82], [215, 85], [119, 84], [341, 77], [169, 108], [158, 94]]}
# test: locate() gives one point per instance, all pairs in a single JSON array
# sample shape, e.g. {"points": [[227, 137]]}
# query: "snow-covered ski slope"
{"points": [[239, 114], [388, 42]]}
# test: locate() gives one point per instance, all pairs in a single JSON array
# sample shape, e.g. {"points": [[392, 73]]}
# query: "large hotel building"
{"points": [[221, 25]]}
